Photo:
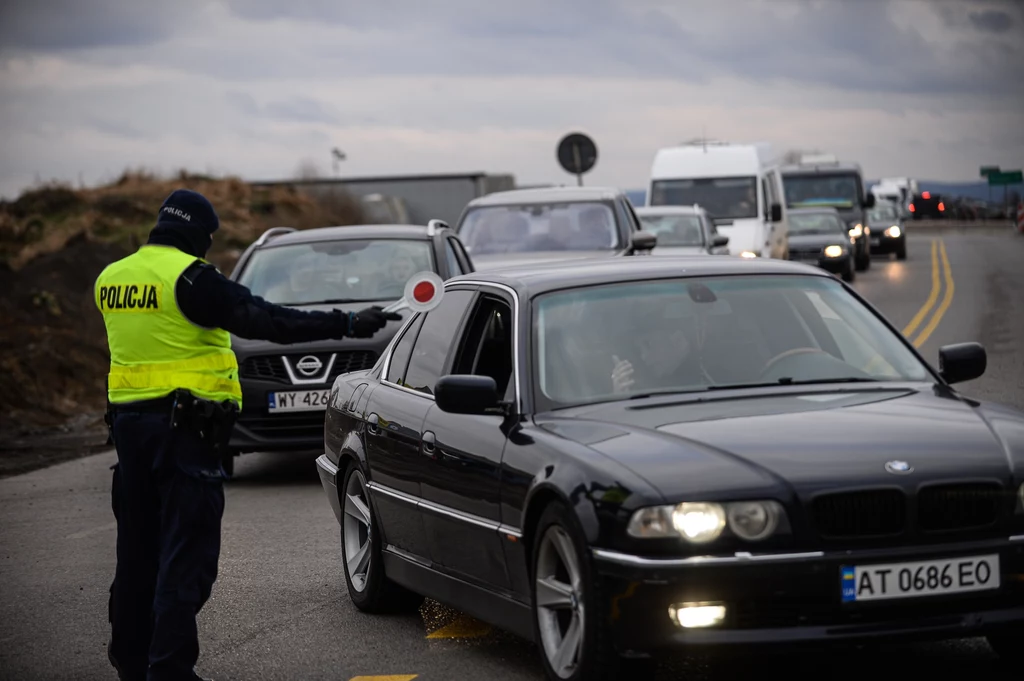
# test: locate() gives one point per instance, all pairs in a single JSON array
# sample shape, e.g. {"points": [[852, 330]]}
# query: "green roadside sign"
{"points": [[1006, 177], [988, 170]]}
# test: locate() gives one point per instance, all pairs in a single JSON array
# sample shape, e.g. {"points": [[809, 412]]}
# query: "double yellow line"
{"points": [[938, 249]]}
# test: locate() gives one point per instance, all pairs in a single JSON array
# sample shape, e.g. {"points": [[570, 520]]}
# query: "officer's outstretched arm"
{"points": [[209, 299]]}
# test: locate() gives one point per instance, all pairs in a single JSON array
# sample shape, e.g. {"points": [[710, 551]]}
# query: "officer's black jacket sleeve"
{"points": [[209, 299]]}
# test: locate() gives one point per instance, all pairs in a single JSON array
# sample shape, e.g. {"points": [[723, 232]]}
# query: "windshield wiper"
{"points": [[787, 380], [668, 391]]}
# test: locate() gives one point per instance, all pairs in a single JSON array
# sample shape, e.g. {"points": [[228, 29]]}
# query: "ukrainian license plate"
{"points": [[301, 400], [922, 578]]}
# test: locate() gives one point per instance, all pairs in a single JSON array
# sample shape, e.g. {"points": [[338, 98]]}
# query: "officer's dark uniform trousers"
{"points": [[168, 498]]}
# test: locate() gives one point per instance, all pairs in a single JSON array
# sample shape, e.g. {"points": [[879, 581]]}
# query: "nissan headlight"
{"points": [[893, 232], [833, 251], [748, 254], [704, 522], [857, 231]]}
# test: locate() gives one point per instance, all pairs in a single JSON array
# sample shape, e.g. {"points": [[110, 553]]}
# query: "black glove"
{"points": [[365, 323]]}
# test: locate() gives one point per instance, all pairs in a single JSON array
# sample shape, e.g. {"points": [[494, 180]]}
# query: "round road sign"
{"points": [[577, 153]]}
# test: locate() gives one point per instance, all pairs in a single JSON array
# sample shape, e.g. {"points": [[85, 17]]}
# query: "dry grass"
{"points": [[44, 219]]}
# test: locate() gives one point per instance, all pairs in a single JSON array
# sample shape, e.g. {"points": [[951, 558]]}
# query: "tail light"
{"points": [[912, 209], [926, 195], [942, 206]]}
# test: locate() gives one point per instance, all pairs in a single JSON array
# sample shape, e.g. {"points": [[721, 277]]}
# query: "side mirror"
{"points": [[962, 362], [644, 240], [466, 394], [869, 201], [720, 240], [776, 212]]}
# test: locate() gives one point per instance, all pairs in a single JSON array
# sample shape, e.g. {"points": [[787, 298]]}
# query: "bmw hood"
{"points": [[689, 448], [493, 261], [679, 250]]}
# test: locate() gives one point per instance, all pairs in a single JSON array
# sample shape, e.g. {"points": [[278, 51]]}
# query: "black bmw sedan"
{"points": [[613, 458]]}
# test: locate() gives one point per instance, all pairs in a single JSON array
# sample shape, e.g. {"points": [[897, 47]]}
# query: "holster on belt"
{"points": [[212, 421]]}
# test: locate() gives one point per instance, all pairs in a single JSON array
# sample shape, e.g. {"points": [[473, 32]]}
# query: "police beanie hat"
{"points": [[185, 208]]}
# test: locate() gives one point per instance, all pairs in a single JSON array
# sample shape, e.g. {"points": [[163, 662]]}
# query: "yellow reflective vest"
{"points": [[154, 348]]}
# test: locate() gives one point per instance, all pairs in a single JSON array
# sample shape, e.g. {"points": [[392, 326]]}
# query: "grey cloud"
{"points": [[292, 110], [71, 24], [992, 21]]}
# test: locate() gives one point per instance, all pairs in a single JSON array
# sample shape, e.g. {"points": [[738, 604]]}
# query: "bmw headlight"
{"points": [[833, 251], [857, 230], [893, 231], [704, 522]]}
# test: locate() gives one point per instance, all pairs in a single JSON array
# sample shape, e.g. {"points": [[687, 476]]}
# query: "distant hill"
{"points": [[973, 190]]}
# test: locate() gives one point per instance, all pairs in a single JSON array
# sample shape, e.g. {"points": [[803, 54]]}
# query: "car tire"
{"points": [[361, 558], [1007, 646], [572, 600], [863, 262], [901, 251], [849, 275]]}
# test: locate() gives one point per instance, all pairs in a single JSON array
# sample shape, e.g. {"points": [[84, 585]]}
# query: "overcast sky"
{"points": [[926, 88]]}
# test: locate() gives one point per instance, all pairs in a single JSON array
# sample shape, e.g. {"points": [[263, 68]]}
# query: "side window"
{"points": [[454, 266], [767, 197], [460, 252], [402, 352], [437, 336], [485, 348]]}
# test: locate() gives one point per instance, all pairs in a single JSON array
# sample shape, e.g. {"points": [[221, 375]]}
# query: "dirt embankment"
{"points": [[54, 242]]}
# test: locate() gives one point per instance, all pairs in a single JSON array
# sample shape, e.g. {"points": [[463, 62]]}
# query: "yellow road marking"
{"points": [[462, 626], [947, 298], [932, 297], [393, 677]]}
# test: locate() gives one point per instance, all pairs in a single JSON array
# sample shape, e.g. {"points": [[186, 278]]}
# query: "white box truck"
{"points": [[739, 185]]}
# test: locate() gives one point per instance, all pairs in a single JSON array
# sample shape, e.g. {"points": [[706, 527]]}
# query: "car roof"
{"points": [[668, 210], [344, 232], [546, 195], [814, 209], [529, 280], [819, 168]]}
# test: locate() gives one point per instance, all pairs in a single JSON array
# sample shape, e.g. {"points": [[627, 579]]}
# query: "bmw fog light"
{"points": [[833, 251], [699, 522], [754, 520], [748, 254], [697, 615], [893, 232]]}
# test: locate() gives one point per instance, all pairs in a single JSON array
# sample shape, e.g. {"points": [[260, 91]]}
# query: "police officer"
{"points": [[173, 394]]}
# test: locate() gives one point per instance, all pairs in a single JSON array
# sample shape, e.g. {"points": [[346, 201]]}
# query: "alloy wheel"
{"points": [[358, 531], [559, 596]]}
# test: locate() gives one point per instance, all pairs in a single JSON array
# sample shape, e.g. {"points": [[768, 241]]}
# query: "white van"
{"points": [[737, 184]]}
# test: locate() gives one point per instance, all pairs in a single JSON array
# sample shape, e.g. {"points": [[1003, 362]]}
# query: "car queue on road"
{"points": [[554, 420]]}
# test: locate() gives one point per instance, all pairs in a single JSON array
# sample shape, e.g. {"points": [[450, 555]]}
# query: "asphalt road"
{"points": [[280, 609]]}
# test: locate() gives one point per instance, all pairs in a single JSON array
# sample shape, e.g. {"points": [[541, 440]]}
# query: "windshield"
{"points": [[883, 214], [674, 230], [697, 334], [803, 191], [579, 226], [351, 269], [721, 197], [815, 223]]}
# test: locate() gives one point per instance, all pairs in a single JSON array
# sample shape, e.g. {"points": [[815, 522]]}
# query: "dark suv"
{"points": [[285, 387]]}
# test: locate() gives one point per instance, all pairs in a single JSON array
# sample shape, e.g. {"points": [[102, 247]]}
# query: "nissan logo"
{"points": [[899, 467], [309, 365]]}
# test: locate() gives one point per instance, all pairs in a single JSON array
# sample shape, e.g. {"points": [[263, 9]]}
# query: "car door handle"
{"points": [[372, 425], [428, 443]]}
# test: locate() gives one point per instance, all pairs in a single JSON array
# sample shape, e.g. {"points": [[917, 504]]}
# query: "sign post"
{"points": [[985, 172], [577, 154], [1005, 178]]}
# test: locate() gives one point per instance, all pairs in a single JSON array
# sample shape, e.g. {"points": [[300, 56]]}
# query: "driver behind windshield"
{"points": [[659, 355]]}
